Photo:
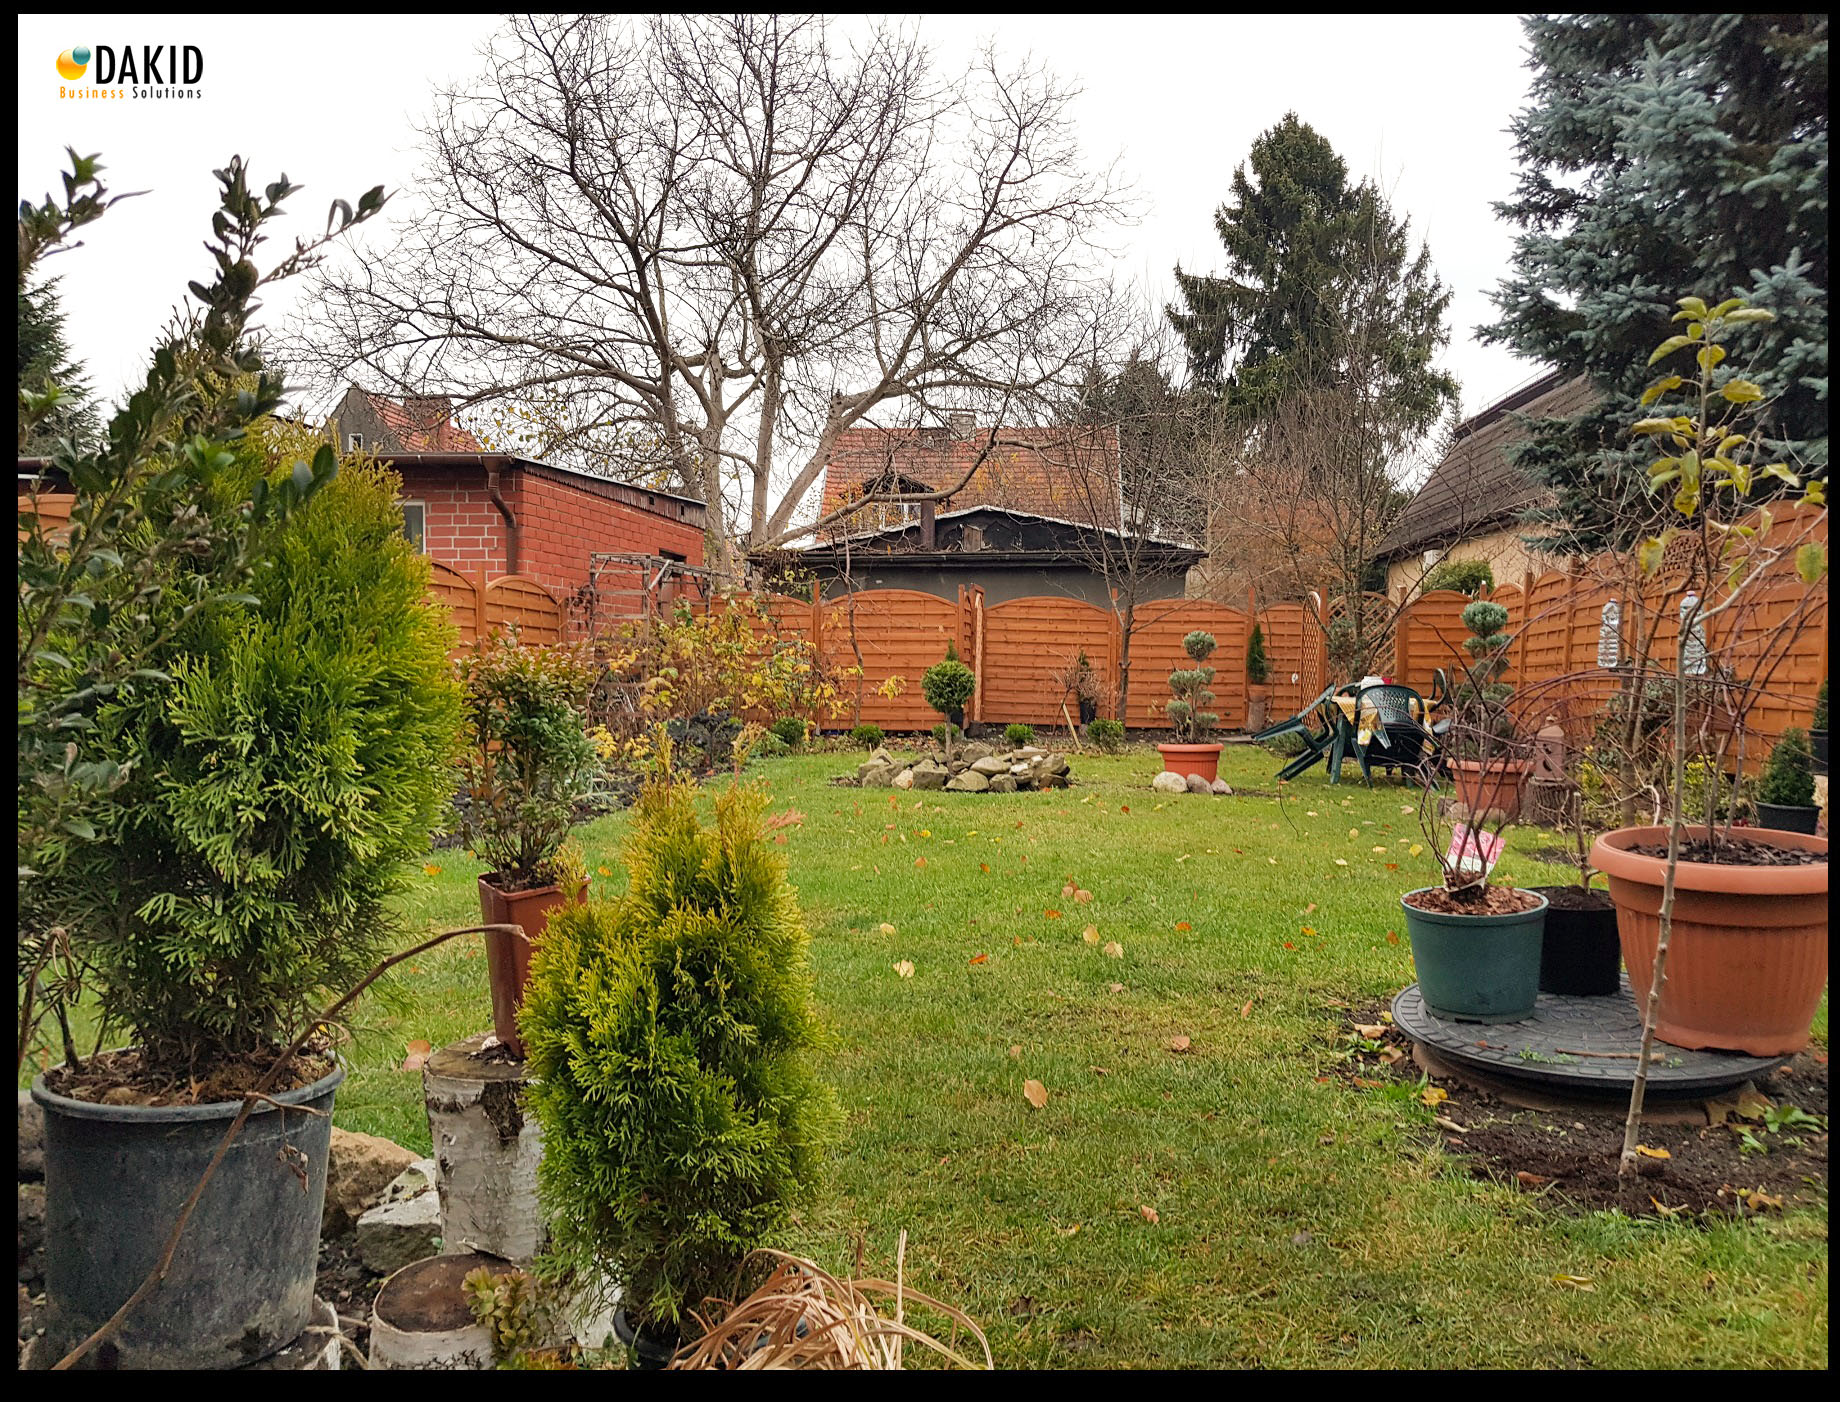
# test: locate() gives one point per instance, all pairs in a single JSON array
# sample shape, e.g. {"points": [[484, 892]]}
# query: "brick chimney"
{"points": [[926, 525]]}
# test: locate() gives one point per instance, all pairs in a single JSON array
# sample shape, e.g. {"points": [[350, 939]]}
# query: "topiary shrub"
{"points": [[276, 789], [1188, 712], [947, 685], [791, 730], [1019, 734], [1788, 777], [1108, 735], [670, 1039], [1257, 667], [867, 736], [1820, 706]]}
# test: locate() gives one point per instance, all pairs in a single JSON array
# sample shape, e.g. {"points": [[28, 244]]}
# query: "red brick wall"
{"points": [[560, 524]]}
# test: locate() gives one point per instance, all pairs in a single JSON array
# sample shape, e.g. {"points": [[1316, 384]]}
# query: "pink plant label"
{"points": [[1472, 851]]}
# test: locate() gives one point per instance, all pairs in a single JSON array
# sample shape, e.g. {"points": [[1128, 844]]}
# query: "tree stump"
{"points": [[421, 1318], [486, 1150], [1549, 803]]}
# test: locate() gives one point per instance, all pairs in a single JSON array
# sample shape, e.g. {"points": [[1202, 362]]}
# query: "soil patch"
{"points": [[426, 1297], [1735, 852], [1491, 900], [121, 1078], [1574, 897]]}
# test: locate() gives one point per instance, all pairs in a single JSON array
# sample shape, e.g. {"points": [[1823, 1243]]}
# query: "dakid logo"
{"points": [[143, 70]]}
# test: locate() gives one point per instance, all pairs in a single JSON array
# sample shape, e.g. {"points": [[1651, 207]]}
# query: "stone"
{"points": [[875, 776], [990, 766], [905, 779], [1222, 787], [974, 751], [879, 755], [1196, 784], [417, 1178], [934, 778], [31, 1233], [393, 1234], [359, 1170], [31, 1137], [1046, 780], [968, 782], [1055, 764], [1166, 782], [1002, 783]]}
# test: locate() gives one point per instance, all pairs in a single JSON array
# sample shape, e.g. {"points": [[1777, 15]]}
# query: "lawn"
{"points": [[1219, 1207]]}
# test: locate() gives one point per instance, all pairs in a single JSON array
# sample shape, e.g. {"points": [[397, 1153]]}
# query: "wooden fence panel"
{"points": [[1026, 641], [515, 598], [1156, 651], [1293, 645], [899, 632], [461, 595], [1436, 635]]}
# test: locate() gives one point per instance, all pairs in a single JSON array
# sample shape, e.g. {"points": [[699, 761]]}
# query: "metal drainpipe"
{"points": [[511, 522]]}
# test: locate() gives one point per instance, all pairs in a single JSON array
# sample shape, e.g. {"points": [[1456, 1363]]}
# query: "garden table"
{"points": [[1349, 721]]}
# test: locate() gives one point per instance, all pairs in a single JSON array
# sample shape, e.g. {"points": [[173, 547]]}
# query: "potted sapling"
{"points": [[528, 763], [1258, 673], [1487, 774], [672, 1037], [1785, 791], [1189, 715]]}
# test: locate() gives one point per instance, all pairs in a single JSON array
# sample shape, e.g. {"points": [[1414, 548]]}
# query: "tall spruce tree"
{"points": [[1659, 153], [45, 361], [1306, 253]]}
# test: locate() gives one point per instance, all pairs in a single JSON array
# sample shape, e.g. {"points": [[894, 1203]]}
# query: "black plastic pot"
{"points": [[1089, 710], [647, 1351], [1580, 953], [1785, 817], [1817, 743], [241, 1282]]}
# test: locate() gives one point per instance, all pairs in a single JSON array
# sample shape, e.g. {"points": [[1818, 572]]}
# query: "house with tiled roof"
{"points": [[1474, 504]]}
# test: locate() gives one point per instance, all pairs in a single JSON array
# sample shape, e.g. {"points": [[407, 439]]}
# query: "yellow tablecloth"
{"points": [[1370, 715]]}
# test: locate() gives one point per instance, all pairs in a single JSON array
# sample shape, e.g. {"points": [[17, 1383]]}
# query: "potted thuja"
{"points": [[1258, 675], [1487, 774], [528, 764], [1189, 715], [280, 759], [671, 1040], [1785, 792]]}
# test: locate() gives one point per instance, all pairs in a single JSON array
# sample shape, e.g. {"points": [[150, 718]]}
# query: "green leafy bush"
{"points": [[1470, 577], [867, 736], [530, 759], [302, 754], [670, 1041], [945, 733], [1108, 735], [771, 746], [1188, 712], [947, 685], [1820, 706], [1788, 777], [791, 731], [1019, 734], [1258, 668], [1286, 746]]}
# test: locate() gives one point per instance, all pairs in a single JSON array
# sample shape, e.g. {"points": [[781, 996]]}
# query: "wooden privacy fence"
{"points": [[481, 608]]}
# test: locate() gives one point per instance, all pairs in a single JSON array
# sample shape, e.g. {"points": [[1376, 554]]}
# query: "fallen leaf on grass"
{"points": [[1090, 934], [1246, 1011], [1309, 929], [1575, 1282], [1392, 937], [1035, 1093], [1530, 1180], [980, 958], [1149, 1215], [418, 1052], [1124, 808], [1114, 949], [1448, 1125], [1758, 1201], [1067, 1231], [1354, 832], [1341, 862], [1371, 1030], [1068, 889], [1051, 915], [887, 929], [1114, 987], [1100, 1070], [1016, 1051], [905, 968], [1415, 849], [919, 861], [1179, 1045], [1183, 927], [1391, 1055], [1434, 1095], [1082, 897]]}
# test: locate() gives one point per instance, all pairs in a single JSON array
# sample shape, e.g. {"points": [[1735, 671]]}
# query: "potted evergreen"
{"points": [[1488, 776], [671, 1037], [1258, 672], [1188, 713], [1817, 733], [528, 764], [1785, 792]]}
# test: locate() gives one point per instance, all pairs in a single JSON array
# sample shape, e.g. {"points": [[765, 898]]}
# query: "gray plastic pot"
{"points": [[1477, 968], [241, 1282]]}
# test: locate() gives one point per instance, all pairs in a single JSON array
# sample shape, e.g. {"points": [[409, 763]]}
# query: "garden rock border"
{"points": [[972, 767]]}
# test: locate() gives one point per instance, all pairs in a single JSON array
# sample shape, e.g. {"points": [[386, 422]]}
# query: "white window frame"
{"points": [[354, 442], [418, 504]]}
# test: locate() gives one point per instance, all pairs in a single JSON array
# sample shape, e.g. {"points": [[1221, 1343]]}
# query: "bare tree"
{"points": [[738, 237]]}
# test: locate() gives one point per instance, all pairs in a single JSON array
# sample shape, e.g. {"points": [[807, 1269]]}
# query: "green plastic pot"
{"points": [[1477, 968]]}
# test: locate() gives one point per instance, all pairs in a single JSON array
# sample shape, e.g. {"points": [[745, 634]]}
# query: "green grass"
{"points": [[1032, 1220]]}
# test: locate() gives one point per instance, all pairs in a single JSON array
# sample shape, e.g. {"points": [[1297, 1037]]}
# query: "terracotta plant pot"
{"points": [[507, 956], [1747, 960], [1191, 759], [1498, 785]]}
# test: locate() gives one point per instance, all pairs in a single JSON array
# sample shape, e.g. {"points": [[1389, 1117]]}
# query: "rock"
{"points": [[875, 776], [905, 779], [1027, 752], [31, 1233], [1002, 783], [973, 751], [31, 1137], [1166, 782], [1046, 780], [1220, 786], [1055, 764], [393, 1234], [968, 782], [1196, 784], [361, 1167], [879, 755], [990, 766], [417, 1178], [929, 778]]}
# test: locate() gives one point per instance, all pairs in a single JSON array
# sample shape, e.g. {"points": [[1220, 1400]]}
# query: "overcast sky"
{"points": [[1420, 103]]}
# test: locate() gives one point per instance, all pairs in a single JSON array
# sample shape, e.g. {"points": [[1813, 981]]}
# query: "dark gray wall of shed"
{"points": [[1000, 586]]}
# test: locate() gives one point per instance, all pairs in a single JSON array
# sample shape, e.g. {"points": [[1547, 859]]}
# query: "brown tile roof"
{"points": [[422, 423], [1070, 474], [1476, 489]]}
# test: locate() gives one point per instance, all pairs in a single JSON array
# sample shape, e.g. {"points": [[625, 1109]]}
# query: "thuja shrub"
{"points": [[1788, 776], [276, 789], [790, 729], [670, 1039]]}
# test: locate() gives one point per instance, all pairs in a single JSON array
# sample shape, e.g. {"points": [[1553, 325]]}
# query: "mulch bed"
{"points": [[349, 1286], [1492, 900], [119, 1078], [1735, 852], [1569, 1156]]}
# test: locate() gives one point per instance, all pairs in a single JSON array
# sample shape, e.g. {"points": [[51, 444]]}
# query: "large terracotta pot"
{"points": [[1498, 785], [1191, 759], [507, 956], [1747, 959]]}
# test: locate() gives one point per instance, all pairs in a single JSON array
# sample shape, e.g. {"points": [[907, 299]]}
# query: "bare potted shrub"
{"points": [[1500, 782], [529, 763], [1189, 715], [1258, 674]]}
